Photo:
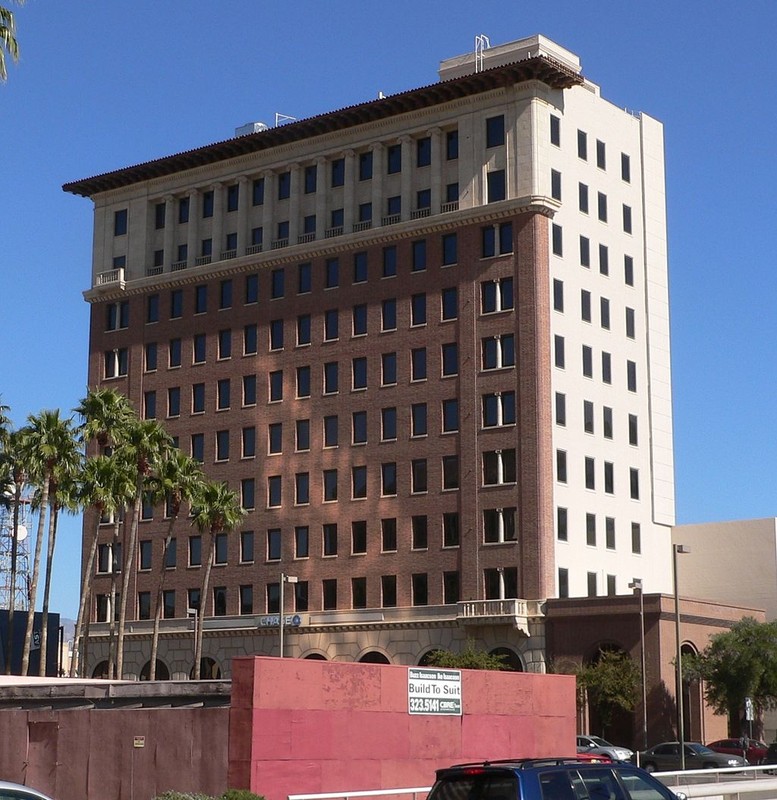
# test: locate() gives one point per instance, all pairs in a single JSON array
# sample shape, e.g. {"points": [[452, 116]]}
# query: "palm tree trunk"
{"points": [[129, 563], [158, 599], [112, 604], [44, 620], [82, 602], [44, 501], [17, 499], [201, 609]]}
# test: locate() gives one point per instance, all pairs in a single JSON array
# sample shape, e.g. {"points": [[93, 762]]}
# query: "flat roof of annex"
{"points": [[533, 58]]}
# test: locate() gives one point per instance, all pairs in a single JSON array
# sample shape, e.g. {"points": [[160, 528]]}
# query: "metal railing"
{"points": [[416, 793]]}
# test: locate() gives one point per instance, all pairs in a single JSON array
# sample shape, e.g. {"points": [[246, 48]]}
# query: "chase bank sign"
{"points": [[274, 621]]}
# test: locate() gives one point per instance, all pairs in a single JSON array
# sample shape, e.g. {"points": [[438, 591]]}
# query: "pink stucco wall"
{"points": [[299, 726]]}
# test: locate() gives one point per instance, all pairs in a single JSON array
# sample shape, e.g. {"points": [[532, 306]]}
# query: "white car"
{"points": [[598, 746], [15, 791]]}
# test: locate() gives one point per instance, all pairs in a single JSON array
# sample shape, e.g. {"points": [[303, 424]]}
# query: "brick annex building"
{"points": [[427, 339]]}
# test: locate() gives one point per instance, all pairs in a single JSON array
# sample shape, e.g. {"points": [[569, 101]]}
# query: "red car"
{"points": [[755, 752]]}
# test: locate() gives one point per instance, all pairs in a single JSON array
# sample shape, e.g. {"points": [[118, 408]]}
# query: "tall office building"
{"points": [[426, 337]]}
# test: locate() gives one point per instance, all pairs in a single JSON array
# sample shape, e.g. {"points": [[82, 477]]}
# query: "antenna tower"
{"points": [[15, 591], [482, 44]]}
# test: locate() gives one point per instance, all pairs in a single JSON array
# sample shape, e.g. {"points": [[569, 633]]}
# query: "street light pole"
{"points": [[636, 584], [678, 548], [281, 617]]}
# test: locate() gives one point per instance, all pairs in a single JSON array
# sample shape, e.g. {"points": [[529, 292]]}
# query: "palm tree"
{"points": [[144, 446], [179, 481], [43, 439], [62, 496], [217, 510], [106, 414], [8, 44]]}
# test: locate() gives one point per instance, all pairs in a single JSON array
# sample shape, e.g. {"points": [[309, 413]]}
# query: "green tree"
{"points": [[217, 510], [106, 414], [9, 47], [611, 682], [179, 480], [738, 663], [468, 658]]}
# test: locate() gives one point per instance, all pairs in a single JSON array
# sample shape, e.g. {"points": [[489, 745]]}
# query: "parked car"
{"points": [[595, 744], [548, 779], [15, 791], [665, 757], [756, 751]]}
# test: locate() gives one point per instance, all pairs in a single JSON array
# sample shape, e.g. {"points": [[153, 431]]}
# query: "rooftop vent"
{"points": [[251, 127]]}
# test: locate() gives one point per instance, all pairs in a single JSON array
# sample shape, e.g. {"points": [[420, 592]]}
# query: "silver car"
{"points": [[595, 745], [15, 791]]}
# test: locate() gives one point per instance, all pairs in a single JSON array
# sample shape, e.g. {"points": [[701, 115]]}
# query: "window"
{"points": [[303, 381], [310, 175], [275, 438], [582, 145], [359, 373], [601, 206], [198, 446], [365, 212], [303, 329], [249, 390], [360, 267], [633, 429], [276, 334], [420, 589], [301, 541], [588, 366], [207, 204], [359, 427], [199, 348], [625, 168], [630, 323], [451, 145], [274, 489], [389, 261], [451, 193], [609, 533], [418, 252], [607, 422], [418, 476], [331, 324], [499, 525], [248, 441], [233, 197], [302, 435], [601, 155], [331, 377], [555, 184], [246, 547], [257, 197], [631, 376], [561, 409], [388, 529], [450, 529], [498, 351], [604, 312], [359, 537], [388, 426], [449, 249], [388, 364], [495, 131], [247, 493], [627, 227], [582, 197], [558, 351], [561, 466], [418, 364], [337, 172], [590, 473], [330, 485], [302, 488], [449, 302], [120, 222], [195, 551], [450, 359], [555, 130], [585, 252], [359, 319], [636, 538], [562, 529], [423, 152], [609, 478], [389, 315], [225, 344], [388, 478], [329, 531], [591, 580], [604, 260], [590, 530], [563, 582], [251, 288], [418, 419], [222, 445], [628, 270], [151, 356], [246, 599], [358, 482], [557, 239], [221, 548], [284, 185], [330, 431], [223, 394], [274, 544], [145, 554], [388, 588], [277, 283], [588, 416], [634, 483], [117, 315], [558, 295], [450, 472], [304, 278], [393, 159], [606, 367], [173, 401], [498, 467], [331, 273], [168, 603], [144, 604], [420, 533], [329, 591], [496, 186], [499, 409], [116, 363], [496, 295]]}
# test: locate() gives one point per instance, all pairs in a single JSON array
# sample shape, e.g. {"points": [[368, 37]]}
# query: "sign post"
{"points": [[434, 691]]}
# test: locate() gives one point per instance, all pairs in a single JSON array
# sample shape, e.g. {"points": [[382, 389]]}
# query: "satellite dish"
{"points": [[21, 533]]}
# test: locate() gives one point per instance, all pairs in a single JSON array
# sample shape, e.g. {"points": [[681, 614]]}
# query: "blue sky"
{"points": [[102, 85]]}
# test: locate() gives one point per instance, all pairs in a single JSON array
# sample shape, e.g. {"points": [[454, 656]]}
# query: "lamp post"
{"points": [[678, 548], [636, 584], [284, 580]]}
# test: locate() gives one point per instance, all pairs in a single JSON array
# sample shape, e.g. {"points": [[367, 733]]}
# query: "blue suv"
{"points": [[547, 779]]}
